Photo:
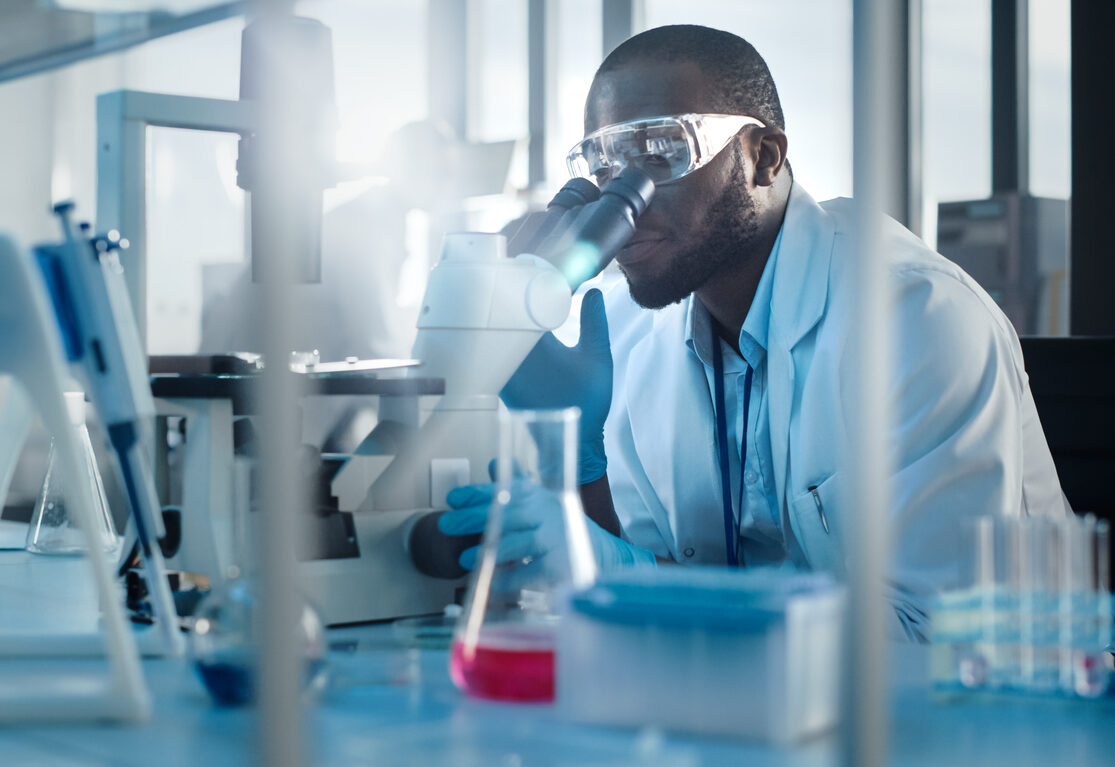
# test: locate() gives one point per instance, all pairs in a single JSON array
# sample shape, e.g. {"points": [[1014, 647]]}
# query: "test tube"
{"points": [[1064, 538], [1012, 576], [1044, 634], [974, 662], [1103, 587], [1090, 671], [1029, 590]]}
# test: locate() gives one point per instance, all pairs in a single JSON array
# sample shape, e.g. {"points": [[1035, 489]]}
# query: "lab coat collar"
{"points": [[801, 273]]}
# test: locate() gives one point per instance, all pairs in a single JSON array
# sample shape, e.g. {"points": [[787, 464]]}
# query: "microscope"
{"points": [[369, 547], [488, 301]]}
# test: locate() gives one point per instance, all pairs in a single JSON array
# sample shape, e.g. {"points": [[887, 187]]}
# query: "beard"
{"points": [[732, 226]]}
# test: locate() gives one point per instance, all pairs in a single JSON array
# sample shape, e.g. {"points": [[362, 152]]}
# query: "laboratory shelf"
{"points": [[40, 35]]}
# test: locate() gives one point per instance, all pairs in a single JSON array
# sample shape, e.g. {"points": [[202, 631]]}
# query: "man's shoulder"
{"points": [[909, 259], [925, 285]]}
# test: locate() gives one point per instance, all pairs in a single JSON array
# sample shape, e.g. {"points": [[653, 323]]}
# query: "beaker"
{"points": [[52, 530], [536, 548]]}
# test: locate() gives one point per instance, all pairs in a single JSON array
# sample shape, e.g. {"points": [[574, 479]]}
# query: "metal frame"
{"points": [[1093, 156], [122, 120], [1010, 96]]}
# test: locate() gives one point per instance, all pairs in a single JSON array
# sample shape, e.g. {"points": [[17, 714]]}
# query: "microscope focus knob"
{"points": [[548, 299]]}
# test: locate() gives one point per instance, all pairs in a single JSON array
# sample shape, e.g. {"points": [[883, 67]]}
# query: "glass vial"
{"points": [[536, 548], [52, 531]]}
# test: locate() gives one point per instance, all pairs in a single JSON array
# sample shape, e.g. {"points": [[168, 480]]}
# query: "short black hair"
{"points": [[745, 86]]}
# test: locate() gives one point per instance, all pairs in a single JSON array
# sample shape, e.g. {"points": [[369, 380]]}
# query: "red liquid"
{"points": [[503, 672]]}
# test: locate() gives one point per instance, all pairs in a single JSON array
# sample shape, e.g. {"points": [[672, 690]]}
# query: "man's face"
{"points": [[696, 226]]}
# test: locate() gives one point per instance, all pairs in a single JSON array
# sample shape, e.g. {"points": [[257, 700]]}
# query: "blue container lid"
{"points": [[697, 597]]}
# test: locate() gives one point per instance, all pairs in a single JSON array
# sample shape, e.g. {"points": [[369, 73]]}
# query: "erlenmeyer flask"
{"points": [[52, 530], [536, 548], [228, 624]]}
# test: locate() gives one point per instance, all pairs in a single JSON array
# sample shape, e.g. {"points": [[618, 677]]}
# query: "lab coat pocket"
{"points": [[814, 524]]}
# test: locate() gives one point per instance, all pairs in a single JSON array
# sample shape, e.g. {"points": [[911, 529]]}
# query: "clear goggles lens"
{"points": [[667, 147]]}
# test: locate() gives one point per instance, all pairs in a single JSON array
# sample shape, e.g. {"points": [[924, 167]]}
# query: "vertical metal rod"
{"points": [[879, 123], [915, 196], [279, 191], [121, 202], [447, 63], [536, 92], [617, 19]]}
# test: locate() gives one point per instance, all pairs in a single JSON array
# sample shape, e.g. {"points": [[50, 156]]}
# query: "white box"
{"points": [[740, 653]]}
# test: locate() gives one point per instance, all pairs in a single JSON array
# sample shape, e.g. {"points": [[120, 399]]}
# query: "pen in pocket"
{"points": [[820, 507]]}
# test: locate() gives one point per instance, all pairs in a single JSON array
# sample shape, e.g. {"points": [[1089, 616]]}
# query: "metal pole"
{"points": [[536, 92], [915, 197], [275, 198], [879, 123], [617, 20], [447, 63]]}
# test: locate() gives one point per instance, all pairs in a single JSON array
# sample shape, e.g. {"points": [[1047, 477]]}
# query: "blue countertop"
{"points": [[389, 704]]}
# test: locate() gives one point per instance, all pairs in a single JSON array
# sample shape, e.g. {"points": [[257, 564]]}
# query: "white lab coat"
{"points": [[966, 434]]}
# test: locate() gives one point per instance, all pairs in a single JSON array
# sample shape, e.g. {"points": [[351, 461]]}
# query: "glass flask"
{"points": [[536, 548], [226, 638], [52, 531], [227, 623]]}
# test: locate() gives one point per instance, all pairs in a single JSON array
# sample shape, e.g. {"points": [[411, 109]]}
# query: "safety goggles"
{"points": [[667, 147]]}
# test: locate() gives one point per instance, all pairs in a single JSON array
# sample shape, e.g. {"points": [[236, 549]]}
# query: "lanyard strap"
{"points": [[731, 526]]}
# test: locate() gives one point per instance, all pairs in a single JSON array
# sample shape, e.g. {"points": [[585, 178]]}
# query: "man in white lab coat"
{"points": [[726, 440]]}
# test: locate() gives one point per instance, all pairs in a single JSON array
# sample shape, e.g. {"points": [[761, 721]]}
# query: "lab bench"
{"points": [[389, 702]]}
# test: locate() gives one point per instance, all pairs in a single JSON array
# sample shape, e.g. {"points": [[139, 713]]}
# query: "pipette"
{"points": [[101, 340]]}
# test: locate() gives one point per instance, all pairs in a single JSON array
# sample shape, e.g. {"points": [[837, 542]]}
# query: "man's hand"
{"points": [[554, 375], [532, 527]]}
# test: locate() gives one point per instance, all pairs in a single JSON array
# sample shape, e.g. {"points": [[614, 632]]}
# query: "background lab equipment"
{"points": [[482, 313], [1014, 245]]}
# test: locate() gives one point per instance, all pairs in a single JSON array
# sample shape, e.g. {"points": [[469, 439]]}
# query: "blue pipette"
{"points": [[101, 339]]}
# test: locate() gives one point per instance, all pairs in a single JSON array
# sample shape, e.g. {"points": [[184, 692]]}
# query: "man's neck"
{"points": [[729, 294]]}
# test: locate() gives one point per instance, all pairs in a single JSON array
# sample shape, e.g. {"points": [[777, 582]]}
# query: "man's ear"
{"points": [[769, 148]]}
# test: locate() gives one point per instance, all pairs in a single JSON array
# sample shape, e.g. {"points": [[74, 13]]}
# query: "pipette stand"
{"points": [[31, 353]]}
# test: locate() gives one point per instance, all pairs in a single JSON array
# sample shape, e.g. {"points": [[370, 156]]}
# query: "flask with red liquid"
{"points": [[536, 548]]}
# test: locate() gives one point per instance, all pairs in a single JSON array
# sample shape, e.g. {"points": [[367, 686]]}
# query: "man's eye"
{"points": [[654, 165], [604, 176]]}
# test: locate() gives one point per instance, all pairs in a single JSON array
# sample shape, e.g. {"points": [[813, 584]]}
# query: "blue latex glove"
{"points": [[532, 527], [554, 375]]}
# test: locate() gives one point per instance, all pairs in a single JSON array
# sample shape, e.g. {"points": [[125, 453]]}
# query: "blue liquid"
{"points": [[230, 684], [233, 684]]}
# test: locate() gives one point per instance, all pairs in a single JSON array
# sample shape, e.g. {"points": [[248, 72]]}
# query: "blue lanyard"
{"points": [[731, 526]]}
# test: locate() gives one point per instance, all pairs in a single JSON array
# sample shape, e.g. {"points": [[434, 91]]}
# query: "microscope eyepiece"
{"points": [[576, 192], [634, 187]]}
